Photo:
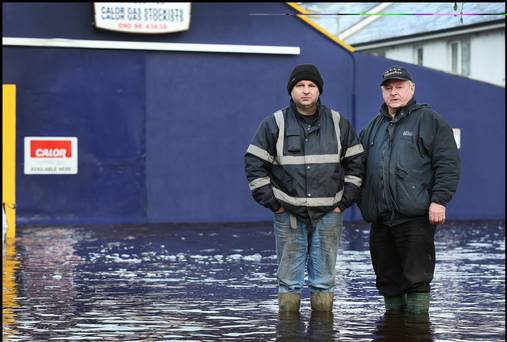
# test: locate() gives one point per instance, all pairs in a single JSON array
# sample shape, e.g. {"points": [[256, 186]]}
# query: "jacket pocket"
{"points": [[412, 193], [294, 143]]}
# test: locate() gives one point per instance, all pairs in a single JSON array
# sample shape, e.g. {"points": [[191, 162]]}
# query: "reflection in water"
{"points": [[401, 327], [170, 283], [46, 281], [321, 326], [291, 327], [10, 264]]}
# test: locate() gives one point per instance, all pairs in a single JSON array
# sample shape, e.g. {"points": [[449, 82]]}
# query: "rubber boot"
{"points": [[322, 301], [289, 302], [396, 303], [418, 302]]}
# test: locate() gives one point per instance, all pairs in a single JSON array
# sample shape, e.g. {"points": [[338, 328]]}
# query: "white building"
{"points": [[465, 39]]}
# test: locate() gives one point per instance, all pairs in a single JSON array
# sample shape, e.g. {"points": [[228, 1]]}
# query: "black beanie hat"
{"points": [[307, 72]]}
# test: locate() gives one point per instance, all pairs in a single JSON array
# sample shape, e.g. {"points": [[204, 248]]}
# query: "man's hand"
{"points": [[279, 211], [337, 210], [436, 213]]}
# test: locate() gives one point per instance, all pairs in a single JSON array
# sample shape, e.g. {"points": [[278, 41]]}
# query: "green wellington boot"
{"points": [[396, 303], [322, 301], [418, 302], [289, 302]]}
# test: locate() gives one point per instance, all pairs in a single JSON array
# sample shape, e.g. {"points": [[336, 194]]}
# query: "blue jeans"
{"points": [[297, 248]]}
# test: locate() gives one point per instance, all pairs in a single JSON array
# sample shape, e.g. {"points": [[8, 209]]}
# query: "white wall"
{"points": [[400, 53], [435, 55], [487, 55]]}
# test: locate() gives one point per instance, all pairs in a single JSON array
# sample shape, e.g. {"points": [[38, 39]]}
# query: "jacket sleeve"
{"points": [[352, 161], [259, 159], [439, 142]]}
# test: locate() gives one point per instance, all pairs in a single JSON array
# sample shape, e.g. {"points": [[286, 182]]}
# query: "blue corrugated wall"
{"points": [[162, 134], [87, 94]]}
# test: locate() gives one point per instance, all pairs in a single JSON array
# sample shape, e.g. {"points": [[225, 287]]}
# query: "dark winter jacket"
{"points": [[411, 161], [308, 170]]}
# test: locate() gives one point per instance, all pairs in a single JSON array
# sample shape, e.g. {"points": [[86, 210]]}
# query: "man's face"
{"points": [[305, 94], [397, 93]]}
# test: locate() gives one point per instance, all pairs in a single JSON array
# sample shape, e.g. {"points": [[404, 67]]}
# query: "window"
{"points": [[418, 55], [380, 53], [459, 57], [465, 57], [454, 49]]}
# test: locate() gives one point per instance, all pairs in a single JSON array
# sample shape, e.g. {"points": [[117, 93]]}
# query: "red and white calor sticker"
{"points": [[50, 155]]}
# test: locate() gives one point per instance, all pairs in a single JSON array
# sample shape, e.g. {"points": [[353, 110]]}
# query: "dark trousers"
{"points": [[403, 256]]}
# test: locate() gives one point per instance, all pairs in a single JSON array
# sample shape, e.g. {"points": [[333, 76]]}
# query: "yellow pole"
{"points": [[9, 157]]}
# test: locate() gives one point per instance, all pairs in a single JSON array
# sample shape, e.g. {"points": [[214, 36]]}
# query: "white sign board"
{"points": [[50, 156], [142, 17]]}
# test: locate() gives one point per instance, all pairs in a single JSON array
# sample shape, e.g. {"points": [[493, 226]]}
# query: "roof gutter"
{"points": [[425, 37]]}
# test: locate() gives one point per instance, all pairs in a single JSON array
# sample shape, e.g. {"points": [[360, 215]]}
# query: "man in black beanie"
{"points": [[305, 72], [305, 163]]}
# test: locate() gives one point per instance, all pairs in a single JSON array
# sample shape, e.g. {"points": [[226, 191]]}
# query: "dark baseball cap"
{"points": [[396, 73]]}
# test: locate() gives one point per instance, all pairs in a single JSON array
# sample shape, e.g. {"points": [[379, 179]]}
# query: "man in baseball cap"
{"points": [[412, 172]]}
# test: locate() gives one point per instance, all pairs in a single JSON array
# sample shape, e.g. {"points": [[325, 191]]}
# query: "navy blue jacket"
{"points": [[411, 161], [308, 170]]}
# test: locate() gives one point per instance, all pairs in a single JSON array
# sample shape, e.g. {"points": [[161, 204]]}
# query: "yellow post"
{"points": [[9, 157]]}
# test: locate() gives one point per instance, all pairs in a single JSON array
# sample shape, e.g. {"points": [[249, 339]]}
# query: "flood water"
{"points": [[217, 283]]}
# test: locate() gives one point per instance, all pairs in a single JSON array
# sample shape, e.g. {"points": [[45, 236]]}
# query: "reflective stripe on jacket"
{"points": [[307, 170]]}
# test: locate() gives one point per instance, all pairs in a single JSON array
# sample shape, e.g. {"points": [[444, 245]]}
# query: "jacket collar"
{"points": [[292, 106], [401, 112]]}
